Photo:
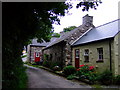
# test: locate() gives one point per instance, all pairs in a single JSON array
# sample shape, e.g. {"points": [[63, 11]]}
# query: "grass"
{"points": [[23, 56], [23, 79], [96, 86]]}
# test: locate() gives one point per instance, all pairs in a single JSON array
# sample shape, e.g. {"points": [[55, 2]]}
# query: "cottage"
{"points": [[34, 51], [60, 49], [99, 47]]}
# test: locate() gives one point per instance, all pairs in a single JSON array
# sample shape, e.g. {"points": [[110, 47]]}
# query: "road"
{"points": [[39, 78]]}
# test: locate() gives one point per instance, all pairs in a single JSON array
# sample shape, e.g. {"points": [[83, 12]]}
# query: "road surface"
{"points": [[39, 78]]}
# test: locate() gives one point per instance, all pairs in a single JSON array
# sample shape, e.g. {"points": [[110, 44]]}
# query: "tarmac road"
{"points": [[39, 78]]}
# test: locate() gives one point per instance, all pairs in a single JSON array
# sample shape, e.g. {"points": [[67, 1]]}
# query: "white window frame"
{"points": [[86, 54], [100, 54]]}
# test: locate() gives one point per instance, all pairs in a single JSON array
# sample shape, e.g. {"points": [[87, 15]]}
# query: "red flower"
{"points": [[91, 67], [81, 65], [78, 69]]}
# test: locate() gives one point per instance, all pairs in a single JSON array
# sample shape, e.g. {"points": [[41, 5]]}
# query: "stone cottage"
{"points": [[34, 50], [60, 49], [99, 47]]}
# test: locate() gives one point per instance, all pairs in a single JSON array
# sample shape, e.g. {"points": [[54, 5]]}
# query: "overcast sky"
{"points": [[106, 12]]}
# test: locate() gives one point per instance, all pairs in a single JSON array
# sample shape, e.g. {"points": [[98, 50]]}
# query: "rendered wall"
{"points": [[93, 55]]}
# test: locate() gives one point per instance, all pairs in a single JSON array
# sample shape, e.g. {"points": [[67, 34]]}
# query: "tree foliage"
{"points": [[69, 28], [21, 22], [55, 35], [87, 4]]}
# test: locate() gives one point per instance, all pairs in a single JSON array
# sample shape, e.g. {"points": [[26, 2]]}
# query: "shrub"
{"points": [[117, 80], [105, 77], [52, 64], [68, 70], [46, 63], [86, 72], [70, 77]]}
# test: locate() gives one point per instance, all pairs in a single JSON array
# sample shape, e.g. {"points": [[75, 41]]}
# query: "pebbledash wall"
{"points": [[93, 55], [116, 54]]}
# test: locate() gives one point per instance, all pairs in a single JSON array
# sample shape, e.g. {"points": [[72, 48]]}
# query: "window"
{"points": [[50, 56], [37, 54], [86, 55], [77, 53], [100, 54]]}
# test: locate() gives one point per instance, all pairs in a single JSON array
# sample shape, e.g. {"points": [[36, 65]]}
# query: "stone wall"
{"points": [[62, 51], [32, 50], [56, 52]]}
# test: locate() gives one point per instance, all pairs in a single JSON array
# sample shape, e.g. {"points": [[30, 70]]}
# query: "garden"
{"points": [[85, 73]]}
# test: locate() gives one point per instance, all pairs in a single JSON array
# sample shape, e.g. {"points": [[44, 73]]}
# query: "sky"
{"points": [[106, 12]]}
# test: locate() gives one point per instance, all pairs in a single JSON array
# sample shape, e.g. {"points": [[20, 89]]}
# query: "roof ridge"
{"points": [[82, 35], [108, 23]]}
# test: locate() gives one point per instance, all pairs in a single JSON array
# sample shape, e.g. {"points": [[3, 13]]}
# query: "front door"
{"points": [[37, 56], [77, 58]]}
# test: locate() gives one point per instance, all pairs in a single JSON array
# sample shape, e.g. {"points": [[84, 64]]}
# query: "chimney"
{"points": [[87, 20]]}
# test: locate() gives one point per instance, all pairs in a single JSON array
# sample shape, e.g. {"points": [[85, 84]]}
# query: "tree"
{"points": [[69, 28], [56, 35], [87, 4], [21, 22]]}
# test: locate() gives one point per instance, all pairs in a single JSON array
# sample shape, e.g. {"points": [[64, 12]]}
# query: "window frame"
{"points": [[100, 52], [86, 55]]}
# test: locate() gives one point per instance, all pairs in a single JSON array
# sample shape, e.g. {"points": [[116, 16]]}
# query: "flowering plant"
{"points": [[87, 67]]}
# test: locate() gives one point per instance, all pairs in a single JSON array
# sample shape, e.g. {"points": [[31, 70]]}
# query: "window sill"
{"points": [[99, 61]]}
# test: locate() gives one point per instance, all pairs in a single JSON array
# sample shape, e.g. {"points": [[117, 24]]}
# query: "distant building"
{"points": [[34, 50], [99, 47]]}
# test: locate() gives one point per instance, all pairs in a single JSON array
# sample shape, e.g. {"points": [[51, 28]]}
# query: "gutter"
{"points": [[110, 55]]}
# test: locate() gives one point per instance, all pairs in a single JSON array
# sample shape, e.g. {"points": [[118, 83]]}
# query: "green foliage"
{"points": [[52, 64], [105, 77], [70, 77], [23, 56], [25, 22], [55, 35], [68, 70], [88, 4], [15, 77], [69, 28], [46, 63], [86, 72], [117, 80], [46, 56]]}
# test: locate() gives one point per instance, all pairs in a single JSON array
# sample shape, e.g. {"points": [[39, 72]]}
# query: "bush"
{"points": [[86, 72], [68, 70], [52, 64], [105, 77], [117, 80], [46, 63], [70, 77]]}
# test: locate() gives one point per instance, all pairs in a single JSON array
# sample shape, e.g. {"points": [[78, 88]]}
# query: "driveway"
{"points": [[39, 78]]}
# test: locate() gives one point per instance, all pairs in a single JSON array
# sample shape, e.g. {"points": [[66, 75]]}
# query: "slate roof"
{"points": [[63, 37], [43, 44], [108, 30], [67, 35]]}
